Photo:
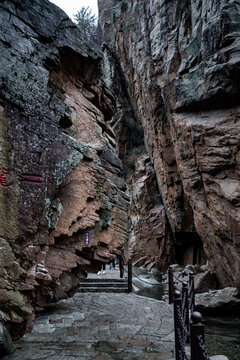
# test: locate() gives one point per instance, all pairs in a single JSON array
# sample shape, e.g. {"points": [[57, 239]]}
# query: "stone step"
{"points": [[100, 284], [104, 284], [102, 289], [90, 280]]}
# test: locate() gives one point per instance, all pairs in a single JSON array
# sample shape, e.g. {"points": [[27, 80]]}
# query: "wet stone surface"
{"points": [[100, 326]]}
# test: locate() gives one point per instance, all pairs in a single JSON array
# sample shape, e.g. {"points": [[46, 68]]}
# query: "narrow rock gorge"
{"points": [[133, 145], [181, 66]]}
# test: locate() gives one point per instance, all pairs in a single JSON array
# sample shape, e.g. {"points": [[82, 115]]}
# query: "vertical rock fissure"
{"points": [[149, 233]]}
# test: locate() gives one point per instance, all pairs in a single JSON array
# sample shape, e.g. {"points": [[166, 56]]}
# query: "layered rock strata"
{"points": [[150, 240], [181, 63], [63, 207]]}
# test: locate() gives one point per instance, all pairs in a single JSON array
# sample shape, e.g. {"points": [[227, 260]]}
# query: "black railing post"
{"points": [[179, 345], [191, 292], [121, 266], [198, 350], [130, 275], [185, 312], [170, 285]]}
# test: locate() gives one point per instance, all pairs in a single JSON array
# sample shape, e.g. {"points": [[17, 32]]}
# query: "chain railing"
{"points": [[124, 267], [185, 312], [180, 330], [198, 348], [186, 331]]}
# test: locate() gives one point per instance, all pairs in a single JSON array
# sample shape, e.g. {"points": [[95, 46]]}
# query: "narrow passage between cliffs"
{"points": [[99, 325]]}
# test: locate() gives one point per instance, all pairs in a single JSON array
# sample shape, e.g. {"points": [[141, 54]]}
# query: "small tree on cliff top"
{"points": [[87, 22]]}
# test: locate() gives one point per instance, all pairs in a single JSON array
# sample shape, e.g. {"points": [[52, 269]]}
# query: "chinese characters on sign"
{"points": [[87, 238], [25, 178], [4, 178]]}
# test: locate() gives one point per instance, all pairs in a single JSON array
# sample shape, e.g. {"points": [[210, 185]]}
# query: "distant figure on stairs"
{"points": [[103, 268], [112, 265]]}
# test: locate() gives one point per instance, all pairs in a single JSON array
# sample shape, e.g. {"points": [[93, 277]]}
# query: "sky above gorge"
{"points": [[71, 7]]}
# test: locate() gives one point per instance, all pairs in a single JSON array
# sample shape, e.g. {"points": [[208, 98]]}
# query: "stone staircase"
{"points": [[103, 285]]}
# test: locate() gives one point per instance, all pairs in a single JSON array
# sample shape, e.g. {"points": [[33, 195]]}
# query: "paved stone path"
{"points": [[100, 326]]}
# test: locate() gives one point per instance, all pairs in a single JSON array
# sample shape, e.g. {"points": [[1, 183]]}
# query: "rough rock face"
{"points": [[63, 207], [181, 62], [150, 240]]}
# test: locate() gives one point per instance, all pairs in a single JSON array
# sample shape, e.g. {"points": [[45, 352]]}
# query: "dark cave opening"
{"points": [[189, 249]]}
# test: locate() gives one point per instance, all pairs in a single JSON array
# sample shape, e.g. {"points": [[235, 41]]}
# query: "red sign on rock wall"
{"points": [[4, 178], [26, 178]]}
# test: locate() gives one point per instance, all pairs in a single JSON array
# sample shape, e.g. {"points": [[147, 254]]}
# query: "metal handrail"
{"points": [[178, 280], [183, 332]]}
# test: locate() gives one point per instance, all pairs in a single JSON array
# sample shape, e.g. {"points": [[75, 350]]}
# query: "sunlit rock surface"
{"points": [[63, 207], [181, 63]]}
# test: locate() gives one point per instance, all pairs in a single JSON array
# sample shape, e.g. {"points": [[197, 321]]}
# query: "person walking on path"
{"points": [[112, 265]]}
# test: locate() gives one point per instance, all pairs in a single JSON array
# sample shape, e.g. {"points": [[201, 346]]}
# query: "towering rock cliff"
{"points": [[181, 63], [162, 96], [63, 207]]}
